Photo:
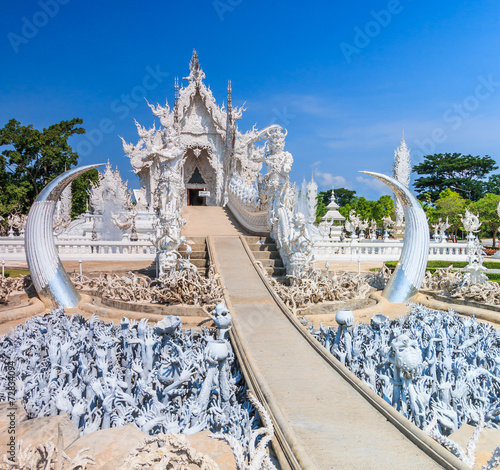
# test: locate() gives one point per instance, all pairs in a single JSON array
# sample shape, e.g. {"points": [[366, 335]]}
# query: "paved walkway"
{"points": [[202, 221], [337, 427]]}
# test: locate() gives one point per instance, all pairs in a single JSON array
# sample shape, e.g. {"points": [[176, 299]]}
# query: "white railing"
{"points": [[384, 251], [12, 249], [252, 220]]}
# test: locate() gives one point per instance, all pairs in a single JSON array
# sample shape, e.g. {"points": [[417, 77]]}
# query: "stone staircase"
{"points": [[199, 255], [264, 250]]}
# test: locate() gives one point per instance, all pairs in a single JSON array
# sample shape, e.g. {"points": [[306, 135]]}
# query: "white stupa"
{"points": [[335, 218]]}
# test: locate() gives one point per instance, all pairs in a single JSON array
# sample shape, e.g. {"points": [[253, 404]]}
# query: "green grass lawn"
{"points": [[433, 265], [15, 272]]}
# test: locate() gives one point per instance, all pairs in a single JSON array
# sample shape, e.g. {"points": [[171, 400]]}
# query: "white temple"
{"points": [[192, 151], [198, 156]]}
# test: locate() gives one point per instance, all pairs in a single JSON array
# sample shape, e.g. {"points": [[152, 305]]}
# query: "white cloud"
{"points": [[328, 179], [373, 184]]}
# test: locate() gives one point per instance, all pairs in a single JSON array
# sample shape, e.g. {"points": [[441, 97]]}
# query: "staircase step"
{"points": [[273, 263], [275, 271], [266, 255], [197, 240], [195, 247], [282, 280], [200, 263], [254, 239], [263, 247], [196, 254]]}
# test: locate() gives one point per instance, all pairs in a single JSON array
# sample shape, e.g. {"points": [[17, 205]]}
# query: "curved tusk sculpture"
{"points": [[410, 270], [49, 277]]}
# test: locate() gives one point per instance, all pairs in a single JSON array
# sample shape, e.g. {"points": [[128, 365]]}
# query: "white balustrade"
{"points": [[12, 249], [384, 251], [255, 221]]}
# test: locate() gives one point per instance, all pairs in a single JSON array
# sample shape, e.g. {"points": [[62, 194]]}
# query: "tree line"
{"points": [[449, 184]]}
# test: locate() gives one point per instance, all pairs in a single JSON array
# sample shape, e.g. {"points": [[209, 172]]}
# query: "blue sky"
{"points": [[342, 77]]}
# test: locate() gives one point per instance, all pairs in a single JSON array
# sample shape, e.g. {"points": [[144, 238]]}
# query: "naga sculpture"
{"points": [[49, 277], [410, 271]]}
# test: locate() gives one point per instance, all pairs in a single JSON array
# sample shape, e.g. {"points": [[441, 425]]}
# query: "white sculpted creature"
{"points": [[222, 320], [299, 246], [279, 164], [470, 221], [406, 355], [62, 215]]}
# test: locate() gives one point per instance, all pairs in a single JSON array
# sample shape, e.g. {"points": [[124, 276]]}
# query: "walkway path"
{"points": [[202, 221], [336, 427]]}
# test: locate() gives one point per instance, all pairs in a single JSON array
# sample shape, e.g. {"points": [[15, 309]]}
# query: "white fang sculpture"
{"points": [[49, 277], [410, 271]]}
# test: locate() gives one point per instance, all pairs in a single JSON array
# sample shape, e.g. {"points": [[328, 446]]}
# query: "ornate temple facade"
{"points": [[190, 154], [197, 156]]}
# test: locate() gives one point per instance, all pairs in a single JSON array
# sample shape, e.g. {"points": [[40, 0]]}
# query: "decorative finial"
{"points": [[195, 72], [176, 102], [229, 90], [195, 64], [403, 134]]}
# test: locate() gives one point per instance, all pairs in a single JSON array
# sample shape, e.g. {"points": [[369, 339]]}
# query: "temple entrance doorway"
{"points": [[194, 198], [199, 178]]}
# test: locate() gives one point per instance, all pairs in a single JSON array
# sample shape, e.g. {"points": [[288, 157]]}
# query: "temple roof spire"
{"points": [[401, 171], [195, 72], [229, 90], [229, 114], [176, 102], [194, 64]]}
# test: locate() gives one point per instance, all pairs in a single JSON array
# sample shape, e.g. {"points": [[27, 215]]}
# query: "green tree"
{"points": [[80, 189], [493, 184], [450, 205], [382, 208], [321, 209], [32, 158], [342, 197], [370, 210], [486, 208], [463, 173]]}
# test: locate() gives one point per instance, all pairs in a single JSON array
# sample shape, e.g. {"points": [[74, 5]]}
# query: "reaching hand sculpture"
{"points": [[159, 377], [438, 369]]}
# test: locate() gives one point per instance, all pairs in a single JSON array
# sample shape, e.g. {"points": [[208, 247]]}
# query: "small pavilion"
{"points": [[334, 218]]}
